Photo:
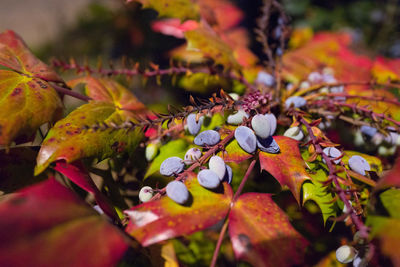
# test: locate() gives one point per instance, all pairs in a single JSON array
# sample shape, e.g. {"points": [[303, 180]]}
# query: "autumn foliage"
{"points": [[71, 179]]}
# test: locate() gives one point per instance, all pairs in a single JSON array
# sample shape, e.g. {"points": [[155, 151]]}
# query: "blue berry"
{"points": [[268, 145], [172, 166], [359, 164], [296, 101], [208, 179], [207, 138], [228, 174], [193, 125], [246, 139], [178, 192]]}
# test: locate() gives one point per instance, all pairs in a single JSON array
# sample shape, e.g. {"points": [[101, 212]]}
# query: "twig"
{"points": [[219, 243], [182, 176], [242, 183], [332, 175], [69, 92]]}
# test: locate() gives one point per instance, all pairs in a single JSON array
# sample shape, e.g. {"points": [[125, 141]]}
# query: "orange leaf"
{"points": [[287, 167]]}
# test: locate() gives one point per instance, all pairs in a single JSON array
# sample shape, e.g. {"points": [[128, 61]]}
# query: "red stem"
{"points": [[210, 152], [148, 73], [69, 92], [332, 170], [219, 243]]}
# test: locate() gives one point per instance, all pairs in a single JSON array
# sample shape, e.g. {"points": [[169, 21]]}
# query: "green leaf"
{"points": [[181, 9], [287, 167], [387, 229], [25, 104], [155, 221], [217, 120], [202, 82], [174, 148], [315, 190], [205, 40], [261, 233], [68, 141]]}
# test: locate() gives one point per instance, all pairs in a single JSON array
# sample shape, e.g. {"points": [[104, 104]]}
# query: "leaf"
{"points": [[108, 90], [387, 229], [16, 169], [287, 167], [47, 225], [261, 233], [234, 153], [173, 27], [385, 69], [215, 12], [205, 40], [68, 141], [25, 104], [77, 173], [330, 50], [181, 9], [202, 82], [174, 148], [155, 221], [315, 191], [392, 178], [15, 54]]}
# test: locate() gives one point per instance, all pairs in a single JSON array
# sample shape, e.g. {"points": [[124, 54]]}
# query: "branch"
{"points": [[332, 175], [172, 70], [182, 176]]}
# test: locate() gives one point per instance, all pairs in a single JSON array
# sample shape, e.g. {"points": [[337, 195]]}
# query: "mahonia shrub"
{"points": [[289, 159]]}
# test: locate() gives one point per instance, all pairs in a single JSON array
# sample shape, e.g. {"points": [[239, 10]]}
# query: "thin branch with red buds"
{"points": [[332, 175], [173, 70], [357, 109]]}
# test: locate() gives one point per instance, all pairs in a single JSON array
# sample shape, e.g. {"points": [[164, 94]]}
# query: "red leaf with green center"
{"points": [[181, 9], [25, 104], [68, 141], [287, 167], [261, 233], [205, 40], [162, 219], [48, 225], [15, 55]]}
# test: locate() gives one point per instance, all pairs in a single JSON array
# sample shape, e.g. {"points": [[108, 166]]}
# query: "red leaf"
{"points": [[77, 173], [159, 220], [174, 27], [15, 55], [47, 225], [261, 233], [287, 167], [392, 178]]}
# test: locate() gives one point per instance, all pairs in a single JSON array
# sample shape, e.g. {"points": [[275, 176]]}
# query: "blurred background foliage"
{"points": [[108, 32]]}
